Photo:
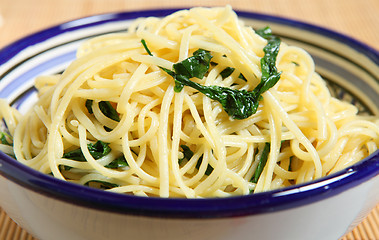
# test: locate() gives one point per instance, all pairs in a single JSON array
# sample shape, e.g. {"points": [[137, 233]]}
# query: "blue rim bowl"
{"points": [[281, 199]]}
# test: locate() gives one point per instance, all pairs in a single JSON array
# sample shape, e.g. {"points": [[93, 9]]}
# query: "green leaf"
{"points": [[75, 155], [209, 169], [119, 162], [264, 32], [108, 110], [239, 104], [227, 72], [187, 152], [97, 150], [178, 86], [270, 74], [146, 48], [89, 105], [103, 184], [6, 139], [105, 107], [262, 163], [295, 63], [242, 77], [196, 66]]}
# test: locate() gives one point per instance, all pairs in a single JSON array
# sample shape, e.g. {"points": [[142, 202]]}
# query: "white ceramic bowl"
{"points": [[51, 209]]}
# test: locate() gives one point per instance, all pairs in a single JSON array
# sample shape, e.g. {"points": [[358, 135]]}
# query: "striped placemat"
{"points": [[368, 229], [9, 230]]}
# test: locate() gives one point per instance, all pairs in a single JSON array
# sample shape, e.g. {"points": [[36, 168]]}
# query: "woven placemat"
{"points": [[9, 230], [367, 230]]}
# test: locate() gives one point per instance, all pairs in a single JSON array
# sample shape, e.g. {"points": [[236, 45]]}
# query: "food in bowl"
{"points": [[195, 104]]}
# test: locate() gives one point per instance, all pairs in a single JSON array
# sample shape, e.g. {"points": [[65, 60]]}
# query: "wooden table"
{"points": [[357, 19]]}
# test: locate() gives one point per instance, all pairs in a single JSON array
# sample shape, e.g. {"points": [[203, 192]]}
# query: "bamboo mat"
{"points": [[367, 230], [358, 19]]}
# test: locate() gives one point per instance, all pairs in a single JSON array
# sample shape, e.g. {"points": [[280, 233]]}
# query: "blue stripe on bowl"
{"points": [[31, 73], [294, 196], [364, 49], [87, 22]]}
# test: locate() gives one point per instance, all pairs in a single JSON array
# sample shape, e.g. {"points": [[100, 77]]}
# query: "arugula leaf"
{"points": [[270, 74], [196, 66], [228, 71], [4, 139], [209, 169], [102, 184], [263, 160], [118, 163], [88, 105], [108, 110], [262, 163], [239, 104], [264, 32], [105, 107], [295, 63], [75, 155], [187, 152], [97, 150]]}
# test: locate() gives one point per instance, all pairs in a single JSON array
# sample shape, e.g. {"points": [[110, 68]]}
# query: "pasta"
{"points": [[115, 119]]}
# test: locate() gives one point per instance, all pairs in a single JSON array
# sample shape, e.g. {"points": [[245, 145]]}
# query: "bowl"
{"points": [[327, 208]]}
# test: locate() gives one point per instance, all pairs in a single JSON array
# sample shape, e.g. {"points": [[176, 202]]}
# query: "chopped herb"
{"points": [[262, 163], [75, 155], [296, 64], [270, 75], [242, 77], [4, 139], [227, 72], [187, 152], [119, 162], [263, 160], [239, 104], [107, 129], [105, 107], [89, 105], [209, 169], [97, 150], [196, 66], [102, 184], [264, 32], [108, 110]]}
